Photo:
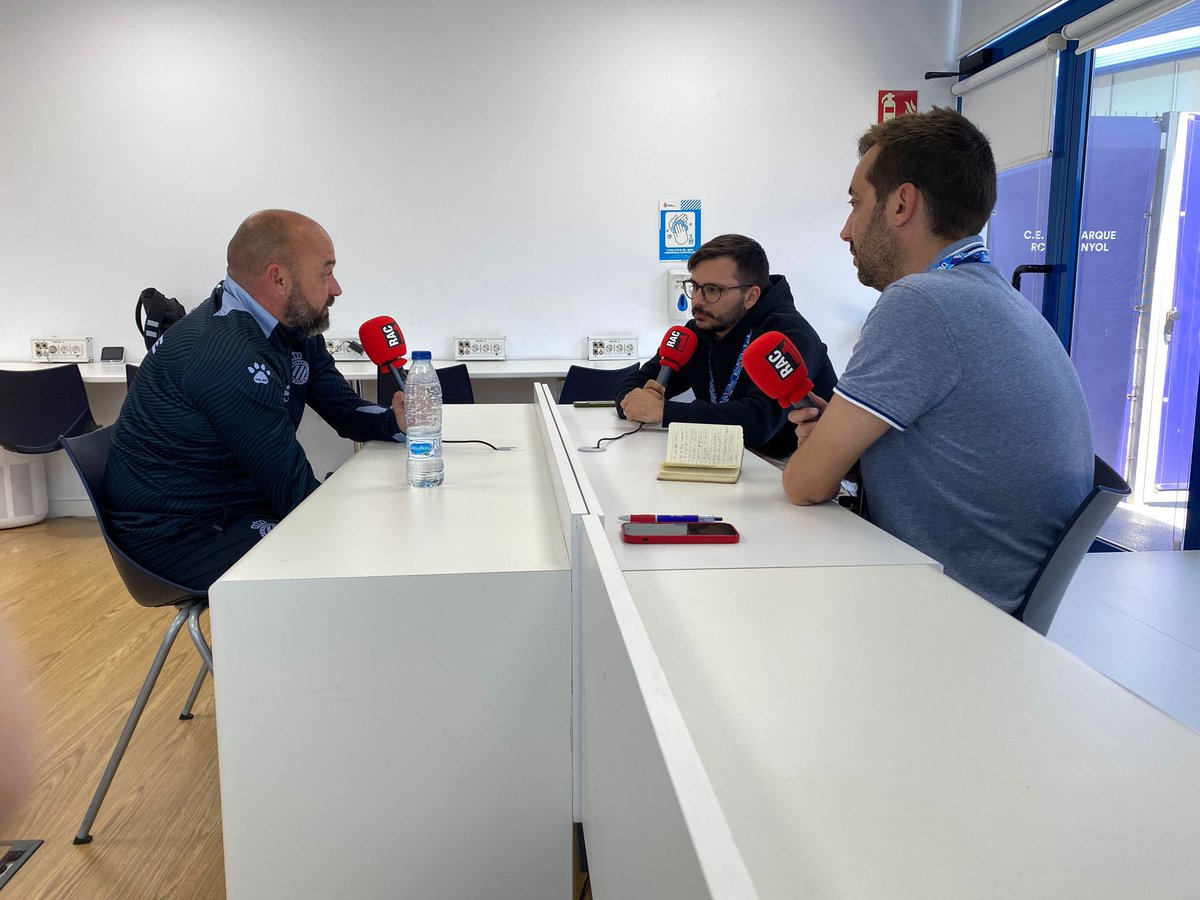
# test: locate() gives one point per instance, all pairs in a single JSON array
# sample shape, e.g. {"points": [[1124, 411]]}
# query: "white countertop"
{"points": [[858, 750], [1136, 618], [494, 513], [773, 531], [361, 370]]}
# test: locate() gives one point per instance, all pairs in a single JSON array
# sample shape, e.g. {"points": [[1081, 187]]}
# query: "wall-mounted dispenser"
{"points": [[679, 307]]}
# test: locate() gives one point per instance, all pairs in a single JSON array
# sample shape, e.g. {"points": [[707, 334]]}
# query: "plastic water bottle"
{"points": [[423, 410]]}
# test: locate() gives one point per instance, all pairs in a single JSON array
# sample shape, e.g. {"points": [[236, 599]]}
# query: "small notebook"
{"points": [[698, 452]]}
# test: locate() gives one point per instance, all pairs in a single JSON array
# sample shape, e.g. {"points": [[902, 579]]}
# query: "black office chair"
{"points": [[39, 405], [583, 383], [89, 454], [1050, 583], [456, 386], [130, 373]]}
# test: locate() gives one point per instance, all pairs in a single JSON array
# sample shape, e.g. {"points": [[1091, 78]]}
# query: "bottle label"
{"points": [[420, 448]]}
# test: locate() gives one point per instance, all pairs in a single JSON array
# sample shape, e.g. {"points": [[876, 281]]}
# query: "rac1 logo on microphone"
{"points": [[392, 335], [676, 340], [782, 361]]}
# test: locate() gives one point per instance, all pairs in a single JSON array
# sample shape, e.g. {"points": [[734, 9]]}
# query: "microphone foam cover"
{"points": [[777, 368], [383, 341], [677, 347]]}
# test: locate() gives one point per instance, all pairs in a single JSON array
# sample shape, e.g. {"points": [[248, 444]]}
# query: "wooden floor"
{"points": [[86, 647]]}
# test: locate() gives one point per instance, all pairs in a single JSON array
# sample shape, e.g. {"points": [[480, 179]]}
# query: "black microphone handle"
{"points": [[397, 374], [664, 375], [805, 402]]}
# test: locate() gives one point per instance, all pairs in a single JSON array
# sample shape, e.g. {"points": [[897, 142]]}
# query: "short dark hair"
{"points": [[946, 158], [748, 253]]}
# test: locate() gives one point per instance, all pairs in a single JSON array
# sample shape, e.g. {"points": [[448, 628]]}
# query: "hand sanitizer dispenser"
{"points": [[679, 307]]}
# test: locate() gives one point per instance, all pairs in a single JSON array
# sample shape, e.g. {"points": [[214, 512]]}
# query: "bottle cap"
{"points": [[421, 354]]}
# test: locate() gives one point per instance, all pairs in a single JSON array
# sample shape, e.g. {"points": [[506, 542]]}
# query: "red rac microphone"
{"points": [[677, 347], [383, 342], [777, 368]]}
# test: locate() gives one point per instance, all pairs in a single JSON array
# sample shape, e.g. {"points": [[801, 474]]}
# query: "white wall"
{"points": [[482, 168]]}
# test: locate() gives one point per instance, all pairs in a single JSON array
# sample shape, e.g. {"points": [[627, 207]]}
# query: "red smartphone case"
{"points": [[679, 533]]}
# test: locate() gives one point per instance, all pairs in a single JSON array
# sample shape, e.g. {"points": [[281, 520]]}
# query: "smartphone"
{"points": [[679, 533]]}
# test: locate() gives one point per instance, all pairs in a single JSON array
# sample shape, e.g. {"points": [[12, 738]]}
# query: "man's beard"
{"points": [[301, 316], [877, 253], [726, 320]]}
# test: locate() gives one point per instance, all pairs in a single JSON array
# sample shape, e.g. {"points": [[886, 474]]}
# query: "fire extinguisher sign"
{"points": [[896, 103]]}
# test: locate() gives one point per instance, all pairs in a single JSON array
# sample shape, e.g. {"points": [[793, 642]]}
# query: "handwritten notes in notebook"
{"points": [[697, 452]]}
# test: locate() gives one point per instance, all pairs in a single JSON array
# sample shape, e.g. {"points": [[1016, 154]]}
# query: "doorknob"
{"points": [[1029, 268], [1169, 326]]}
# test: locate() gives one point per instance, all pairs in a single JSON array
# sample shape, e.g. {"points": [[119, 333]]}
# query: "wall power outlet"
{"points": [[76, 350], [339, 348], [480, 347], [612, 348]]}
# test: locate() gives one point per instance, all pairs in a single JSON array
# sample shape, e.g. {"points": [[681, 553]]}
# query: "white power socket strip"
{"points": [[480, 347], [75, 350], [612, 348], [339, 348]]}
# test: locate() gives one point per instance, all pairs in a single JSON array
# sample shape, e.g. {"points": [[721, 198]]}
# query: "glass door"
{"points": [[1135, 334], [1017, 232]]}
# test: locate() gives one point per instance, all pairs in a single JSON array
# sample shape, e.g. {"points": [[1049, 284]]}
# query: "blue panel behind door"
{"points": [[1119, 180]]}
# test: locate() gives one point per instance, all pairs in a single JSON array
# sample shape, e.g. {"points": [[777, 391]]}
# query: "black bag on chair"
{"points": [[161, 312]]}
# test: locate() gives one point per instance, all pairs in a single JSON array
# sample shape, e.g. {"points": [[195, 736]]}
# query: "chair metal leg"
{"points": [[202, 647], [194, 611], [84, 837], [187, 709]]}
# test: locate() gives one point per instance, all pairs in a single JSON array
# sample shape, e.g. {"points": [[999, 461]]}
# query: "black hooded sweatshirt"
{"points": [[764, 423]]}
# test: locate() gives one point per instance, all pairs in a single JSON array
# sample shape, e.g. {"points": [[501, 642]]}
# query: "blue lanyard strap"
{"points": [[737, 370], [973, 252]]}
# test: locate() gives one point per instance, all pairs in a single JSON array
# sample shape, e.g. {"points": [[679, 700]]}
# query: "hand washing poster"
{"points": [[678, 229]]}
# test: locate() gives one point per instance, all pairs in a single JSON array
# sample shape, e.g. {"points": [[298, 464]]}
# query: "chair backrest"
{"points": [[584, 383], [456, 386], [1050, 583], [38, 405], [130, 373], [89, 454]]}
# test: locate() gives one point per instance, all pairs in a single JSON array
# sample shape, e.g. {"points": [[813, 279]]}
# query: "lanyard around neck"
{"points": [[971, 253], [737, 370]]}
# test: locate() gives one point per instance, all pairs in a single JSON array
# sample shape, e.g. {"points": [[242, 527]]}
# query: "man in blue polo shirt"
{"points": [[205, 459], [966, 413]]}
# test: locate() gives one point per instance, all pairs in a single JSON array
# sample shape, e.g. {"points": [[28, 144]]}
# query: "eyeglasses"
{"points": [[712, 292]]}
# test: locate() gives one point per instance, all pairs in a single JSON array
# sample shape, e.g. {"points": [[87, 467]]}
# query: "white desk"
{"points": [[365, 370], [808, 733], [1136, 618], [484, 369], [773, 531], [394, 712], [92, 373], [394, 681]]}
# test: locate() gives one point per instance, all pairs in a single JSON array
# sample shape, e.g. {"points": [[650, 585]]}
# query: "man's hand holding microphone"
{"points": [[777, 368], [384, 344], [646, 404]]}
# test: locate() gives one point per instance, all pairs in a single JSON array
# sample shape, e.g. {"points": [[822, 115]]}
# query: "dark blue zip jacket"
{"points": [[208, 429]]}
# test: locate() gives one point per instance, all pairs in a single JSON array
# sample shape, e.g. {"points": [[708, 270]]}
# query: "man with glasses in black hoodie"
{"points": [[734, 300]]}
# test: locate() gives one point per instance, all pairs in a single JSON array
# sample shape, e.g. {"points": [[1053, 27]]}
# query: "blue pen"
{"points": [[648, 518]]}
